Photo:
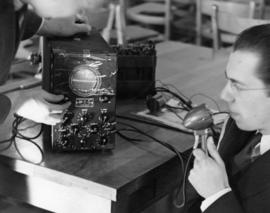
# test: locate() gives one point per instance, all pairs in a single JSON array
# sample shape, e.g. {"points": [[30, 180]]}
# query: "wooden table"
{"points": [[131, 177]]}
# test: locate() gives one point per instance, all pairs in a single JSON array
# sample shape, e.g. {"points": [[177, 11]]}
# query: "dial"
{"points": [[85, 80]]}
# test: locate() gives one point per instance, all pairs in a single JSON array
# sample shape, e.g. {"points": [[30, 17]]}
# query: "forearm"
{"points": [[33, 24]]}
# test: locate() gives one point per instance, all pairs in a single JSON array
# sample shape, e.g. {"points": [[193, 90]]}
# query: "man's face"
{"points": [[246, 94], [57, 8]]}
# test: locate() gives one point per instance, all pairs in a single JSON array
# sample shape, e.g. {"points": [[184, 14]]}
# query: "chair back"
{"points": [[157, 12], [204, 7], [259, 7], [152, 13], [227, 22], [98, 17]]}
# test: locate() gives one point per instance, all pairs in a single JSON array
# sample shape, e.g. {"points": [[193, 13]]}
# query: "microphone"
{"points": [[199, 119]]}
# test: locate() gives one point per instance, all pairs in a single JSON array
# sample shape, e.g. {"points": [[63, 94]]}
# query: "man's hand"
{"points": [[208, 175], [65, 26], [41, 106]]}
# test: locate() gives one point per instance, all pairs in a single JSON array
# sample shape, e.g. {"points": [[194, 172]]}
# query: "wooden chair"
{"points": [[204, 8], [259, 7], [118, 31], [158, 12], [229, 23]]}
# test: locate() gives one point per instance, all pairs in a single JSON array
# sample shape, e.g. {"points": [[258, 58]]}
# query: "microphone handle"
{"points": [[201, 140]]}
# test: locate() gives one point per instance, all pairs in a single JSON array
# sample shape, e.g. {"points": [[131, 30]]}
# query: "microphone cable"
{"points": [[17, 134], [181, 190]]}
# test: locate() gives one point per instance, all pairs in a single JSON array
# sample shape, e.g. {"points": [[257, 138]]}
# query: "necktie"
{"points": [[247, 155]]}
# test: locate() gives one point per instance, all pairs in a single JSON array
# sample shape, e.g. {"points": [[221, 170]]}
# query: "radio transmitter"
{"points": [[83, 69]]}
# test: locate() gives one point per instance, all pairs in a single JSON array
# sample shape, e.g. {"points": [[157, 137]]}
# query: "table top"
{"points": [[117, 173]]}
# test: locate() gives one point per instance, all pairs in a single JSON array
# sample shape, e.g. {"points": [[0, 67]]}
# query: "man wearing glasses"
{"points": [[235, 176]]}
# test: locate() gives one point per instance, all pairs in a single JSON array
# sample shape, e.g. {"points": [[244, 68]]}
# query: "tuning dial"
{"points": [[64, 141], [104, 117], [67, 117], [75, 129], [86, 117], [103, 140], [82, 142], [85, 131], [104, 98], [94, 128], [64, 132]]}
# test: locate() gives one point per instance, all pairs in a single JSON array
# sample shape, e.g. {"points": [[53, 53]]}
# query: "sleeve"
{"points": [[224, 204], [208, 201], [32, 24]]}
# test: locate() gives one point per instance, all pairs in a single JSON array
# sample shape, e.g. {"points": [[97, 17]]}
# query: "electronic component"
{"points": [[155, 103], [136, 70], [83, 70]]}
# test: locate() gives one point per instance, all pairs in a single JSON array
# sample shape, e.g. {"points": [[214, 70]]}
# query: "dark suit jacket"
{"points": [[11, 34], [251, 186]]}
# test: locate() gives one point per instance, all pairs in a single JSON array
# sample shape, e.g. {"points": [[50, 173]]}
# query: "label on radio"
{"points": [[84, 102]]}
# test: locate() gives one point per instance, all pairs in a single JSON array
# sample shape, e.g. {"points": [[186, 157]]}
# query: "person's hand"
{"points": [[65, 26], [208, 175], [40, 106]]}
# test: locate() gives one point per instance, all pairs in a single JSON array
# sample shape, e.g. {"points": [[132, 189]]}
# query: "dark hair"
{"points": [[257, 40]]}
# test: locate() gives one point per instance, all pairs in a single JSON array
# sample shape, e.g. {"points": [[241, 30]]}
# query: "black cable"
{"points": [[19, 135], [175, 113], [173, 107], [16, 134], [174, 87], [154, 124], [169, 146], [184, 182], [184, 169], [206, 96], [187, 104], [221, 112], [126, 137], [23, 87]]}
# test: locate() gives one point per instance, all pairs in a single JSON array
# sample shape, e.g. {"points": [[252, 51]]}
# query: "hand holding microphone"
{"points": [[200, 120], [208, 175]]}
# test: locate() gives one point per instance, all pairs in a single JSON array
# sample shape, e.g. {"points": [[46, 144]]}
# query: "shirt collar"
{"points": [[264, 144]]}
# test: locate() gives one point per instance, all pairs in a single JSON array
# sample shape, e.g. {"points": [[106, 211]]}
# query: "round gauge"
{"points": [[84, 80]]}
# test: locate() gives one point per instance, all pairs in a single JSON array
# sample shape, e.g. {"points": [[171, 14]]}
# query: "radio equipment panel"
{"points": [[84, 71]]}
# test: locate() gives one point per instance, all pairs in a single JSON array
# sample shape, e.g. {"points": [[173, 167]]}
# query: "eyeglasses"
{"points": [[236, 88]]}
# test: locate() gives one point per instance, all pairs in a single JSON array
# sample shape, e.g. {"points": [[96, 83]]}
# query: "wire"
{"points": [[173, 107], [19, 135], [184, 182], [169, 146], [221, 112], [153, 123], [174, 87], [206, 96], [16, 134], [23, 87], [184, 169], [126, 137], [186, 103], [175, 113]]}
